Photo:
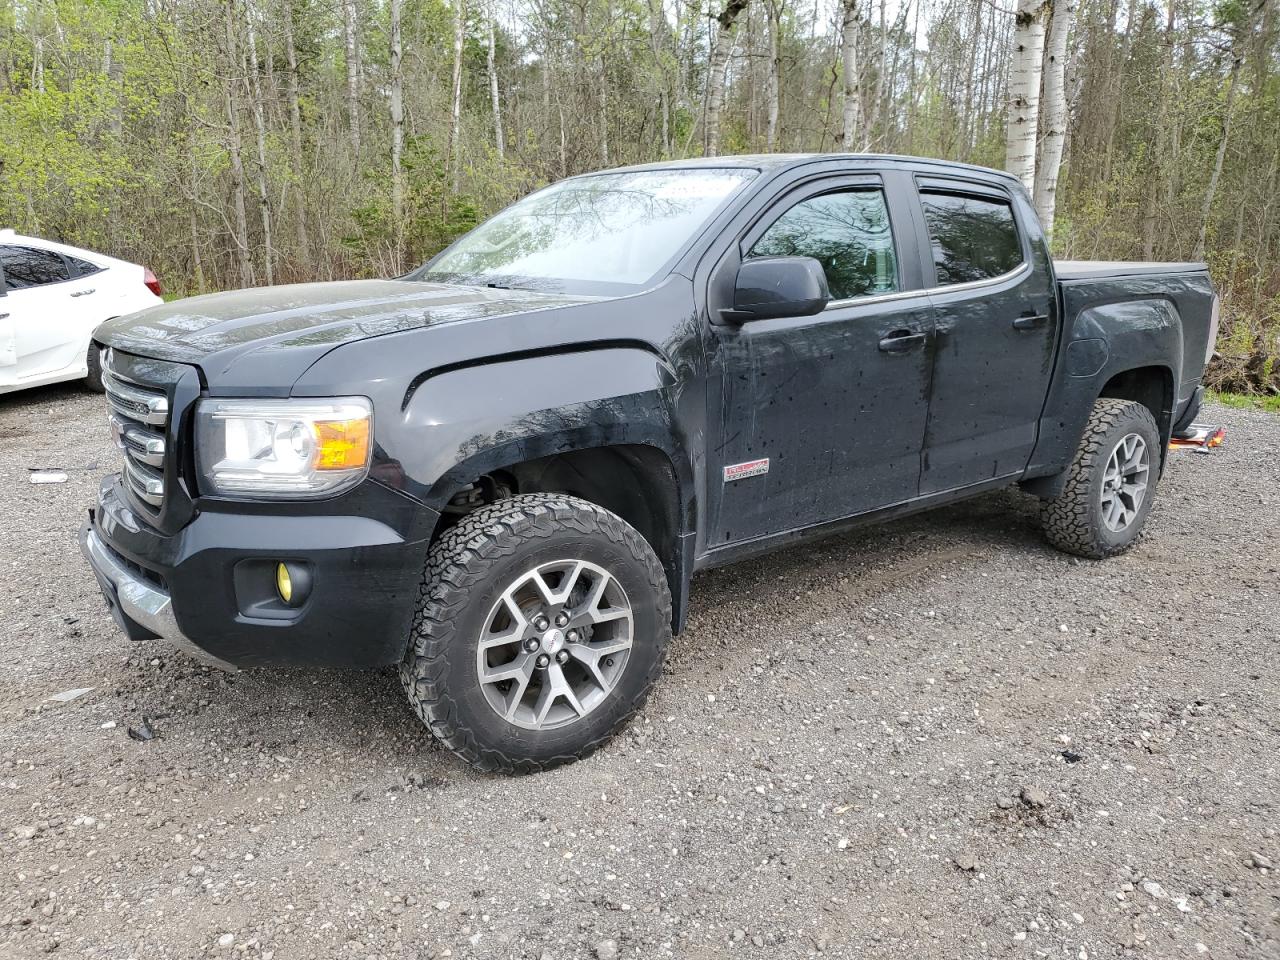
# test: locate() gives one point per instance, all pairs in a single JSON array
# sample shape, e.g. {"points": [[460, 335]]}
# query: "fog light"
{"points": [[284, 583], [293, 582]]}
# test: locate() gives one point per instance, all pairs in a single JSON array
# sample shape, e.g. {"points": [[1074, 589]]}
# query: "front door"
{"points": [[819, 418], [47, 311], [996, 318]]}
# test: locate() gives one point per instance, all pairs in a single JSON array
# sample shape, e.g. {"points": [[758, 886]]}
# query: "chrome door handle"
{"points": [[82, 293], [1030, 323], [900, 341]]}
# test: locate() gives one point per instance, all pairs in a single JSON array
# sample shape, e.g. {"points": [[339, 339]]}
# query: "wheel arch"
{"points": [[641, 482]]}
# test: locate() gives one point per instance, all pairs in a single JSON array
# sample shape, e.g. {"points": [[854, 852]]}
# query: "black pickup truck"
{"points": [[501, 471]]}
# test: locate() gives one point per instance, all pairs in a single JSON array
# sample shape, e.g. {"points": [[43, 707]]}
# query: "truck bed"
{"points": [[1104, 269]]}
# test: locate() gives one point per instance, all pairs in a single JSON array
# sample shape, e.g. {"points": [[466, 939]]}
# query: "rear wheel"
{"points": [[541, 626], [1111, 483]]}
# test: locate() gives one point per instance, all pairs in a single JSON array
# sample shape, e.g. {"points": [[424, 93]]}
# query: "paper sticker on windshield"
{"points": [[740, 471]]}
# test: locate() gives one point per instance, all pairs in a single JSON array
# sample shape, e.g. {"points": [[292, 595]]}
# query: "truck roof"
{"points": [[778, 161]]}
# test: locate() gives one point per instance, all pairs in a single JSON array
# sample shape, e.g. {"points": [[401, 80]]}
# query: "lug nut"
{"points": [[542, 661], [562, 657], [572, 636], [608, 661], [531, 644], [561, 619], [540, 622]]}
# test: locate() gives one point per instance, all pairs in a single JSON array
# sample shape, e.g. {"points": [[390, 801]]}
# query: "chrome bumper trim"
{"points": [[141, 601]]}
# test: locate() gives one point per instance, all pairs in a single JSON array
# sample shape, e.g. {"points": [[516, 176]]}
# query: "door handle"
{"points": [[1030, 323], [900, 341], [82, 293], [4, 316]]}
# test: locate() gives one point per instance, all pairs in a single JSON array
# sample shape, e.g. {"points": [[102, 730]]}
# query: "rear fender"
{"points": [[1101, 342]]}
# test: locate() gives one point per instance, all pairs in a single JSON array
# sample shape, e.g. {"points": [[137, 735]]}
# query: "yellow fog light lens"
{"points": [[284, 583], [342, 444]]}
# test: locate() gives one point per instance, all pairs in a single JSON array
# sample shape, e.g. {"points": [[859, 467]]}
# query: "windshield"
{"points": [[614, 228]]}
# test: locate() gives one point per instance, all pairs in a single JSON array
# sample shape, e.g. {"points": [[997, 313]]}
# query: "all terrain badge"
{"points": [[740, 471]]}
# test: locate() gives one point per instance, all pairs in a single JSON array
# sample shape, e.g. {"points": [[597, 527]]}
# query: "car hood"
{"points": [[277, 332]]}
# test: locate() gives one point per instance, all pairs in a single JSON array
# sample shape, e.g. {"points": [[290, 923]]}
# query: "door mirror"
{"points": [[773, 287]]}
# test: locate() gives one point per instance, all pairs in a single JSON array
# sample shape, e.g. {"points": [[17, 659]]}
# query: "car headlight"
{"points": [[283, 448]]}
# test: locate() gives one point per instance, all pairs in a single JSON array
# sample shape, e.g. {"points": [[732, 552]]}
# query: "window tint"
{"points": [[848, 233], [28, 267], [973, 238], [81, 268]]}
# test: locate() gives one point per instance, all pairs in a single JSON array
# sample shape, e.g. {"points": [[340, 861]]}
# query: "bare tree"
{"points": [[1024, 90], [295, 135], [397, 129], [498, 139], [1212, 189], [235, 67], [260, 133], [455, 114], [1049, 160], [351, 41], [774, 9]]}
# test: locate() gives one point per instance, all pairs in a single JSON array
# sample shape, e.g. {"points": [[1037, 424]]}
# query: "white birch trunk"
{"points": [[716, 69], [849, 24], [1024, 91], [1055, 113]]}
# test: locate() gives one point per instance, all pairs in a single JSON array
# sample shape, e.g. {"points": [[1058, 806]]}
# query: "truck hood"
{"points": [[272, 334]]}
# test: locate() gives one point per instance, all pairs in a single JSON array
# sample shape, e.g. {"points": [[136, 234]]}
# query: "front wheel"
{"points": [[93, 361], [1111, 483], [541, 626]]}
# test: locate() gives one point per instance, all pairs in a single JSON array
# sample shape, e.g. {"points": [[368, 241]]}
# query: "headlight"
{"points": [[283, 448]]}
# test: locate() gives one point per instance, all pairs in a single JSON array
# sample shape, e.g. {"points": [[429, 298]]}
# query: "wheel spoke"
{"points": [[521, 666]]}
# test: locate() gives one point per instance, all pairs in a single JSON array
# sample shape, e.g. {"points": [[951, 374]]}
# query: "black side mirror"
{"points": [[771, 287]]}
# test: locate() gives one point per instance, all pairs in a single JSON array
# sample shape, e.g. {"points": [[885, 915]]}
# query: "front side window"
{"points": [[847, 232], [29, 267], [973, 238], [613, 228]]}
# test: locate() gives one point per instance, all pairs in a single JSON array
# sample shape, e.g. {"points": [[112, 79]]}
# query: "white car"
{"points": [[52, 297]]}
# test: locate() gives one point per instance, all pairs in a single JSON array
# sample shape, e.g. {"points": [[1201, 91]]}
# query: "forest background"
{"points": [[230, 143]]}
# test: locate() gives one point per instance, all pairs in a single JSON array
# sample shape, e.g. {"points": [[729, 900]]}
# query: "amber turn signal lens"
{"points": [[284, 583], [342, 444]]}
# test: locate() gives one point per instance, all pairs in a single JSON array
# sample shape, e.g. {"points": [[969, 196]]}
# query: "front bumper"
{"points": [[201, 587], [141, 610]]}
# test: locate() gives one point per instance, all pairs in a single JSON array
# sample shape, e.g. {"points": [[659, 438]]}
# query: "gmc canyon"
{"points": [[501, 470]]}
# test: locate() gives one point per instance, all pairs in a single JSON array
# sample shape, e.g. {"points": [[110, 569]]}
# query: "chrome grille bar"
{"points": [[138, 414]]}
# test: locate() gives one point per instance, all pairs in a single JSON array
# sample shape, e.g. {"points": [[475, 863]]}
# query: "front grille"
{"points": [[139, 414]]}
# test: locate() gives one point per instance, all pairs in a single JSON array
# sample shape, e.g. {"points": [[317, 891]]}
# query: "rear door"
{"points": [[996, 328], [819, 418]]}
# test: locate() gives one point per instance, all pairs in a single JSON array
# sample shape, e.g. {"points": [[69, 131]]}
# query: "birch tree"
{"points": [[850, 23], [1025, 65], [397, 128], [721, 44], [1049, 158]]}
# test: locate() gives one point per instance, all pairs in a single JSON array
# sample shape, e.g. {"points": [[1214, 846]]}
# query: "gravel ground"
{"points": [[933, 739]]}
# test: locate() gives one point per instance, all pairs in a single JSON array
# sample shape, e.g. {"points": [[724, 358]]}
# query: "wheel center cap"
{"points": [[553, 640]]}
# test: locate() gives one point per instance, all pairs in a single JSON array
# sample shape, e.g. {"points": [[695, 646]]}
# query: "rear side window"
{"points": [[848, 233], [29, 267], [973, 238], [81, 268]]}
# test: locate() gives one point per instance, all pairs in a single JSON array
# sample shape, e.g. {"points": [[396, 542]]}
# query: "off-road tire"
{"points": [[467, 569], [1072, 521], [93, 380]]}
